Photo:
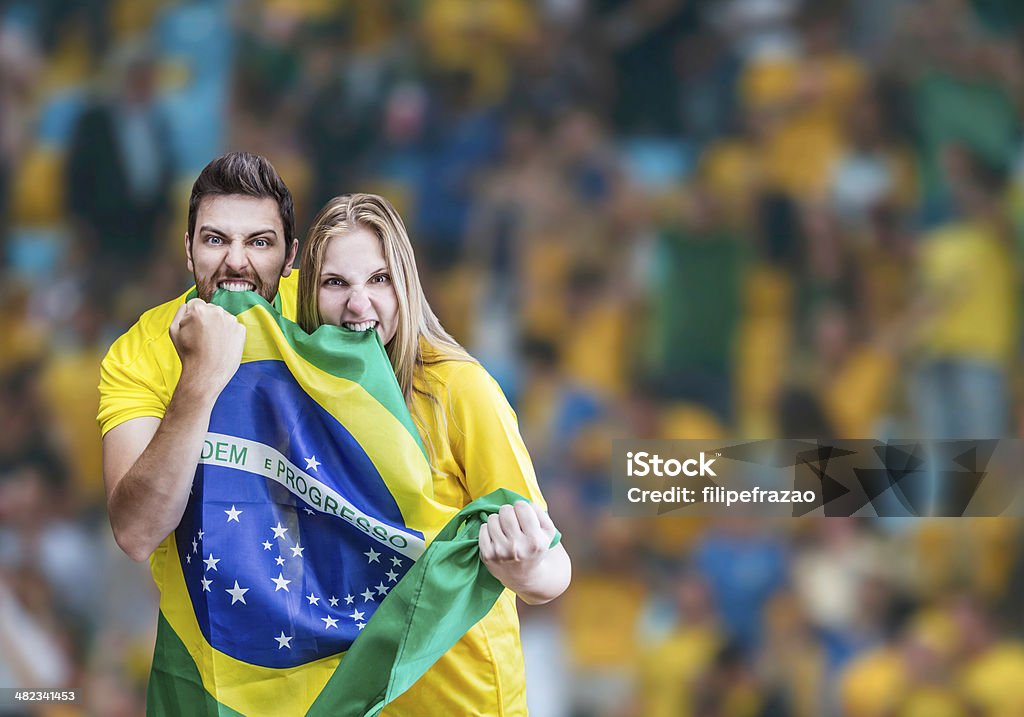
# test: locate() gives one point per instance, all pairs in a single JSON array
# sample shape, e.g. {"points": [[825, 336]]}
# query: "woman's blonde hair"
{"points": [[420, 339]]}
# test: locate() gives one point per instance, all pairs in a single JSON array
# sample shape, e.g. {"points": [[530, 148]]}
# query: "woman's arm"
{"points": [[514, 545]]}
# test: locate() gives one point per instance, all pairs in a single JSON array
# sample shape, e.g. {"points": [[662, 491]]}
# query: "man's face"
{"points": [[239, 245]]}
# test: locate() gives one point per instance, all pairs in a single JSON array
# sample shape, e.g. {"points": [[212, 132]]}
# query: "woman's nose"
{"points": [[358, 302]]}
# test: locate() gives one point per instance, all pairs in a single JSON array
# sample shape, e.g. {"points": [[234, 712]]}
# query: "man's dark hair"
{"points": [[242, 173]]}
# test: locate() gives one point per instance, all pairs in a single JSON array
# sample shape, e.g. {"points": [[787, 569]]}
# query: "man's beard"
{"points": [[206, 287]]}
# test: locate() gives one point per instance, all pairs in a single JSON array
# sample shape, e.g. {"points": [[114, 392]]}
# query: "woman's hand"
{"points": [[514, 547]]}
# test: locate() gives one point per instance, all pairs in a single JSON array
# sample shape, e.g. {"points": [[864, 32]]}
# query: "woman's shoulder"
{"points": [[445, 372], [456, 378]]}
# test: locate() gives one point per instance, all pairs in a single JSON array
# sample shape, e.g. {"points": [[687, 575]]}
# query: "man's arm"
{"points": [[149, 463]]}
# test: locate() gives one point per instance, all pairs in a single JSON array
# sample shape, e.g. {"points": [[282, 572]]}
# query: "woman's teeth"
{"points": [[361, 326], [236, 285]]}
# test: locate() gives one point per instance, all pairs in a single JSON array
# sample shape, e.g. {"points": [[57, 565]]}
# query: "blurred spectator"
{"points": [[964, 85], [801, 100], [460, 138], [694, 310], [19, 66], [119, 167], [706, 74], [670, 670], [876, 171], [475, 40], [602, 618], [927, 654], [641, 37], [968, 279], [348, 90], [992, 663], [32, 651], [745, 564]]}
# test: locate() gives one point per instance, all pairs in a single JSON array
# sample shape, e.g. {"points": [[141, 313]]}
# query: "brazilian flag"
{"points": [[299, 580]]}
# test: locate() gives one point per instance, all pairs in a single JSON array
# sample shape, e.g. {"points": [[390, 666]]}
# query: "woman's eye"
{"points": [[380, 279], [260, 243], [332, 282]]}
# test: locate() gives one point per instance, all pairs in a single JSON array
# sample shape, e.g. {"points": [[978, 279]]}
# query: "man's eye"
{"points": [[260, 243], [211, 239]]}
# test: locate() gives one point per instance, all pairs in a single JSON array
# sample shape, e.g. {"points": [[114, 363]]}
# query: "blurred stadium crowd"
{"points": [[647, 218]]}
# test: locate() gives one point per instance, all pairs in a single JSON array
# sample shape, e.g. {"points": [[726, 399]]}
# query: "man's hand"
{"points": [[514, 545], [209, 342]]}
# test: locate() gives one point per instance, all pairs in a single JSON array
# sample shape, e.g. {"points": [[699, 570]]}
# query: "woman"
{"points": [[358, 271]]}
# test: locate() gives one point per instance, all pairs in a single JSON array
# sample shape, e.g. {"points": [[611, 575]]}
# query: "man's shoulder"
{"points": [[156, 321], [151, 326]]}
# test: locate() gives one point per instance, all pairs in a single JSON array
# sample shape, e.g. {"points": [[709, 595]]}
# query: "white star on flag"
{"points": [[367, 595], [356, 615], [233, 514], [349, 599], [297, 551], [206, 585], [396, 562], [333, 601], [211, 562], [279, 531], [372, 556], [312, 463], [267, 545], [392, 575], [237, 594], [201, 534], [281, 583], [195, 546], [308, 511], [279, 560], [382, 589], [188, 559], [284, 641], [329, 622], [313, 599], [360, 626]]}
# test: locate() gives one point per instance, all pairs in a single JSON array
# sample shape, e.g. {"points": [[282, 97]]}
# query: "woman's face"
{"points": [[355, 285]]}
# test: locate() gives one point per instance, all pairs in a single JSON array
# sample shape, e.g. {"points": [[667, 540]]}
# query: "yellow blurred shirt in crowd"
{"points": [[931, 701], [669, 671], [602, 614], [477, 37], [994, 681], [801, 103], [969, 271], [873, 684], [859, 393]]}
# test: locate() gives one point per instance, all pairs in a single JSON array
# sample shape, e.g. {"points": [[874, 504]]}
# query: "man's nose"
{"points": [[237, 260]]}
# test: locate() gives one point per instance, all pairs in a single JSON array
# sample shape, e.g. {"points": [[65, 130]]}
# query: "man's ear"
{"points": [[188, 254], [293, 252]]}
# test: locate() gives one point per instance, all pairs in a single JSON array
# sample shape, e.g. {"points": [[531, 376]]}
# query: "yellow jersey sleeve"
{"points": [[142, 368], [140, 371], [484, 436]]}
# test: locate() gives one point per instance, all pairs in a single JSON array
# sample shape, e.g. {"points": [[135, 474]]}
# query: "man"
{"points": [[160, 380]]}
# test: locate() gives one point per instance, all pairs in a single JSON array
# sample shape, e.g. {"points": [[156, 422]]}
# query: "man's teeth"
{"points": [[361, 326], [236, 285]]}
